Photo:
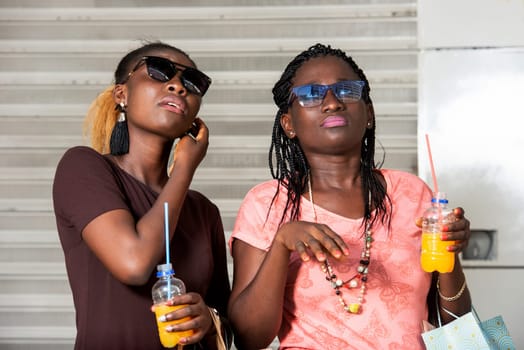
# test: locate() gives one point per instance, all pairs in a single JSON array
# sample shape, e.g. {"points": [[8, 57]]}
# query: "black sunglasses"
{"points": [[163, 70]]}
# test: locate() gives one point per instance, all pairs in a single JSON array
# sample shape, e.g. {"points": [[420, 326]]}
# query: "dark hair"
{"points": [[129, 61], [292, 168]]}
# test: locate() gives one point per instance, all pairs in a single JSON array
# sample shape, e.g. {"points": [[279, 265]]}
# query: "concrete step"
{"points": [[373, 59], [56, 126], [37, 310], [41, 338], [30, 246], [179, 3], [223, 14], [27, 220], [287, 45], [208, 29], [210, 22], [218, 144], [58, 95], [221, 112], [232, 94], [397, 157], [204, 175], [258, 80], [227, 206], [15, 212], [217, 189]]}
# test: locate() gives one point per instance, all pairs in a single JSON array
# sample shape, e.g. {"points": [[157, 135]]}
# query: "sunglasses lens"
{"points": [[309, 95], [348, 91], [163, 70], [195, 81], [160, 69]]}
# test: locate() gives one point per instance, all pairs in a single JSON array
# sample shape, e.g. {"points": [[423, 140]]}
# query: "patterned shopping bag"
{"points": [[468, 333], [497, 334], [460, 334]]}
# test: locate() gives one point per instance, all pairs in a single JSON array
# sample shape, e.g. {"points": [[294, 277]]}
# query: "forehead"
{"points": [[172, 55], [324, 70]]}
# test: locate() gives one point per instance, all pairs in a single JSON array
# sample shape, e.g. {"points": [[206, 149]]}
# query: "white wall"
{"points": [[471, 87]]}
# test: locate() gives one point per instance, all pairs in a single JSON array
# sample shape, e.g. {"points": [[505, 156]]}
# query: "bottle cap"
{"points": [[164, 270], [439, 197]]}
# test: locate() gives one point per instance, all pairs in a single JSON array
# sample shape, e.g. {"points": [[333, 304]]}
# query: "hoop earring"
{"points": [[119, 142]]}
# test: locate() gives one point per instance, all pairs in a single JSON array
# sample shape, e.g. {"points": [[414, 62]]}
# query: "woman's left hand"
{"points": [[200, 323], [457, 231]]}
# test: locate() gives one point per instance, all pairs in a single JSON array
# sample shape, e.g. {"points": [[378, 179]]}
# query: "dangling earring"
{"points": [[119, 143]]}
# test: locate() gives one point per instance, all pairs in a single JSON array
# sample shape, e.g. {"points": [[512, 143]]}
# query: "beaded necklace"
{"points": [[359, 279]]}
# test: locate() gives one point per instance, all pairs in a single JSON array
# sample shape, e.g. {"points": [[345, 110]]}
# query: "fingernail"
{"points": [[162, 318], [445, 228], [449, 248], [444, 237], [182, 340]]}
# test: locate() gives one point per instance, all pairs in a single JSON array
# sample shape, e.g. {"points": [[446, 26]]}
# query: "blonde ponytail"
{"points": [[100, 120]]}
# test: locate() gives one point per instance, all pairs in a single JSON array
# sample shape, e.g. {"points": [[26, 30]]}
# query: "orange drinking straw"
{"points": [[435, 186]]}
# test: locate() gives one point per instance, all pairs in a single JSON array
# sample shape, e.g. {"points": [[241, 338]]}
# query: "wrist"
{"points": [[453, 297]]}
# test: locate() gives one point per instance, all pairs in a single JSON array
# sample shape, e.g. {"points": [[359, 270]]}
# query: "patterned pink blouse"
{"points": [[395, 301]]}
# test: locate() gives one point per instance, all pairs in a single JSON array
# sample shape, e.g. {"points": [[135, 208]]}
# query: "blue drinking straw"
{"points": [[166, 225]]}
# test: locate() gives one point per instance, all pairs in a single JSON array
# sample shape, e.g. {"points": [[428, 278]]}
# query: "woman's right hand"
{"points": [[311, 239], [192, 150]]}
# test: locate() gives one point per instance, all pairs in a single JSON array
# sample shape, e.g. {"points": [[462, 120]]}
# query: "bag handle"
{"points": [[449, 312]]}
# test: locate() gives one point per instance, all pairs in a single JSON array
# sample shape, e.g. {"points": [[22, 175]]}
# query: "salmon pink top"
{"points": [[395, 300]]}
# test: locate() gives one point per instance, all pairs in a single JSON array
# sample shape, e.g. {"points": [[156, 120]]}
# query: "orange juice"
{"points": [[170, 339], [435, 256]]}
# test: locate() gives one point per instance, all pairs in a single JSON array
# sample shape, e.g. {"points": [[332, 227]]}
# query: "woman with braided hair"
{"points": [[327, 255], [109, 207]]}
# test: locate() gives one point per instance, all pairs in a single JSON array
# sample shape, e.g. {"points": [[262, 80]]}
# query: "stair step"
{"points": [[33, 335], [27, 220], [216, 189], [374, 59], [25, 271], [29, 126], [221, 79], [227, 206], [204, 175], [210, 13], [29, 238], [218, 22], [237, 45], [236, 144], [219, 111], [390, 93], [178, 3]]}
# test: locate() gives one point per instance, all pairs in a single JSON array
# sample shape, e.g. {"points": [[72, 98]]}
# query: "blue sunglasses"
{"points": [[311, 95]]}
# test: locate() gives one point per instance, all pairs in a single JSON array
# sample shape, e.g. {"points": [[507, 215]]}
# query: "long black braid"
{"points": [[292, 168]]}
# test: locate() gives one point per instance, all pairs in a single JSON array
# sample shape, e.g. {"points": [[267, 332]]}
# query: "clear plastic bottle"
{"points": [[164, 289], [434, 255]]}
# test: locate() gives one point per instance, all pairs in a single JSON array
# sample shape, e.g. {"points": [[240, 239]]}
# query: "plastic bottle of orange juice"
{"points": [[164, 289], [435, 256]]}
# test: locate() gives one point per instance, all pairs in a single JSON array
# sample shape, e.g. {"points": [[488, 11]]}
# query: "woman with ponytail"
{"points": [[109, 203], [326, 255]]}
